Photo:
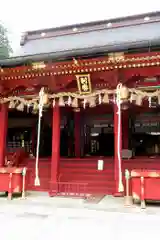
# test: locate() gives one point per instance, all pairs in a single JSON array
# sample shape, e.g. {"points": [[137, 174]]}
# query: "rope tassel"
{"points": [[41, 103], [118, 102]]}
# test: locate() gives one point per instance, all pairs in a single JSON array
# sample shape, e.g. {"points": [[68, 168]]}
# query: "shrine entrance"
{"points": [[98, 130]]}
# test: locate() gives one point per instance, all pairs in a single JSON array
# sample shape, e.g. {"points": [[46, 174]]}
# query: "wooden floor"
{"points": [[85, 171]]}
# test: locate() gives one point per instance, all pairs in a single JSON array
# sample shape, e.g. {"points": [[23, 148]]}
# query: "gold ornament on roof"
{"points": [[116, 57], [75, 62], [38, 65]]}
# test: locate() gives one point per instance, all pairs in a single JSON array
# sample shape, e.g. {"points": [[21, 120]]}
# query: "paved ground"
{"points": [[86, 224], [60, 218]]}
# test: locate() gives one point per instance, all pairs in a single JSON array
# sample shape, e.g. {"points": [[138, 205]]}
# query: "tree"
{"points": [[5, 47]]}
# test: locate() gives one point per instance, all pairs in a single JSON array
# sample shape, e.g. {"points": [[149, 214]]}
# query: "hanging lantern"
{"points": [[84, 103], [69, 102], [45, 99], [28, 107], [150, 101], [20, 107], [75, 103], [158, 99], [100, 99], [124, 106], [54, 103], [12, 104], [35, 106], [124, 93], [105, 98], [139, 100], [61, 102], [133, 97], [76, 110], [34, 111], [92, 102]]}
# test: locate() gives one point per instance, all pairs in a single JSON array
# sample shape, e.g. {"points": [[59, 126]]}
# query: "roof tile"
{"points": [[99, 38]]}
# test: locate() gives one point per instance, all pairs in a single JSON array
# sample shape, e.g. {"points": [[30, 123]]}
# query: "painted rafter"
{"points": [[84, 65], [144, 72]]}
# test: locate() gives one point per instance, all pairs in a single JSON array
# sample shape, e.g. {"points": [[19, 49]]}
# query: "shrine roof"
{"points": [[110, 35]]}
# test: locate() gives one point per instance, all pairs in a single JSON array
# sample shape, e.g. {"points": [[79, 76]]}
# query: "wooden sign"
{"points": [[84, 83], [151, 126]]}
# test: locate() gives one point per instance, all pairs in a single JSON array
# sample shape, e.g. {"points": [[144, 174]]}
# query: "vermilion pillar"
{"points": [[77, 133], [55, 149], [125, 129], [116, 160], [3, 132], [33, 138]]}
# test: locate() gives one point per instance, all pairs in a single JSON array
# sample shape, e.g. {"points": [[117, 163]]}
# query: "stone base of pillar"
{"points": [[52, 193], [53, 190], [118, 194], [128, 201]]}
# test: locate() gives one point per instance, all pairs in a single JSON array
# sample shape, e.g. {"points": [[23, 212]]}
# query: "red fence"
{"points": [[69, 189]]}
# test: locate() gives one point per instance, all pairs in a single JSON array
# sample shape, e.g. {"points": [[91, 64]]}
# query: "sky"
{"points": [[20, 16]]}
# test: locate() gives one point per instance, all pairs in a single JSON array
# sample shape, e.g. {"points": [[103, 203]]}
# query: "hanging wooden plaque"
{"points": [[84, 83]]}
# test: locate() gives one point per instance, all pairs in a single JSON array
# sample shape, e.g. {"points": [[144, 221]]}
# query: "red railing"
{"points": [[73, 189]]}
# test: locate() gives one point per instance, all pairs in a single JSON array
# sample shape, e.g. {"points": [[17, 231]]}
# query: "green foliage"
{"points": [[5, 48]]}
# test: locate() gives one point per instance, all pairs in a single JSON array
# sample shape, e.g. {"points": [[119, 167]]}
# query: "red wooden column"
{"points": [[116, 162], [77, 132], [3, 133], [33, 138], [55, 158], [125, 129]]}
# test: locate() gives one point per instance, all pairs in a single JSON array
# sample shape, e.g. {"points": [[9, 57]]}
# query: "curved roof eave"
{"points": [[57, 56]]}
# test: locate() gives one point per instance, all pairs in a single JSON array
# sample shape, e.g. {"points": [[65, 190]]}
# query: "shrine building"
{"points": [[100, 106]]}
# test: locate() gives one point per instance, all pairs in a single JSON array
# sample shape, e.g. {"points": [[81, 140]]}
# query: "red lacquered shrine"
{"points": [[101, 115]]}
